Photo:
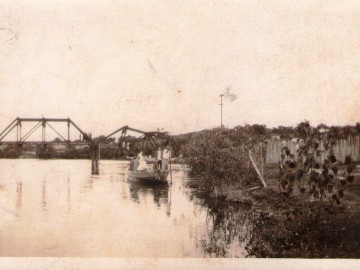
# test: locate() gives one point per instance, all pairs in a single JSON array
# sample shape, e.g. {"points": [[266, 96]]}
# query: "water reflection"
{"points": [[238, 231], [18, 195], [68, 194], [159, 191], [43, 194], [228, 230], [88, 185], [95, 167]]}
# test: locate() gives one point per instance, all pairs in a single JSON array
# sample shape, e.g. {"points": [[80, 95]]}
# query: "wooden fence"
{"points": [[343, 148]]}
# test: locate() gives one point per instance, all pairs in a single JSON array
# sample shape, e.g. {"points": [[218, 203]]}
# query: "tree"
{"points": [[357, 126], [303, 129], [259, 129], [57, 140]]}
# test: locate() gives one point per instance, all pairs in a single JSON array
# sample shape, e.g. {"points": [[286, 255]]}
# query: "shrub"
{"points": [[315, 171], [219, 160], [10, 152]]}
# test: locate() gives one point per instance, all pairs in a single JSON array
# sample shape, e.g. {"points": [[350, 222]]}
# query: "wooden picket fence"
{"points": [[343, 148]]}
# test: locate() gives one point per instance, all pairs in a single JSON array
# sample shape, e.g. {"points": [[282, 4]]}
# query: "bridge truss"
{"points": [[147, 141], [42, 123]]}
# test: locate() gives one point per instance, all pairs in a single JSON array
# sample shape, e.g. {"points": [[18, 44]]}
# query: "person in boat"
{"points": [[132, 165], [165, 158], [135, 164], [142, 163], [159, 154]]}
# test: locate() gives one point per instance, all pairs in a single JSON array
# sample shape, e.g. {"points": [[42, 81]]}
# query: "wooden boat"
{"points": [[151, 175], [151, 169]]}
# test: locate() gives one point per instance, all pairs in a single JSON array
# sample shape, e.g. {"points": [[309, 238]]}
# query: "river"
{"points": [[57, 208]]}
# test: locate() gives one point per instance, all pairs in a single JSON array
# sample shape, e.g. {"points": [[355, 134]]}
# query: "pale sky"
{"points": [[163, 64]]}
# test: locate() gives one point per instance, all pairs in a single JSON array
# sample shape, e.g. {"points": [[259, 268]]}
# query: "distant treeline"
{"points": [[264, 134], [338, 132]]}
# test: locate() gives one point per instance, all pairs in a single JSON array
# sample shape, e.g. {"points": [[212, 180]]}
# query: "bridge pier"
{"points": [[95, 167], [95, 157]]}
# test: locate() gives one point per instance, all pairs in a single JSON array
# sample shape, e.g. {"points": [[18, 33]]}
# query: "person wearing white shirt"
{"points": [[165, 158]]}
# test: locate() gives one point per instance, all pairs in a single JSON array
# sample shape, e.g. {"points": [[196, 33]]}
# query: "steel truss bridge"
{"points": [[43, 123], [147, 139]]}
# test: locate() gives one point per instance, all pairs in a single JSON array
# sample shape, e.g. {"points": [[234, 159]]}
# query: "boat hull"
{"points": [[158, 176]]}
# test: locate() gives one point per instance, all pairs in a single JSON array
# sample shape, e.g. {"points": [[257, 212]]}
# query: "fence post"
{"points": [[257, 169]]}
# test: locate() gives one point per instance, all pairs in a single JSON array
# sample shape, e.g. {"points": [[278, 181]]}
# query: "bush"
{"points": [[315, 172], [45, 151], [220, 161], [10, 152], [75, 154]]}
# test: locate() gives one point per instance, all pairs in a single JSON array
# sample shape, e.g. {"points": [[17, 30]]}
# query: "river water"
{"points": [[57, 208]]}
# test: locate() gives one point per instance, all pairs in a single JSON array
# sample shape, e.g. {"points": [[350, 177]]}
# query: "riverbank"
{"points": [[279, 225], [272, 193]]}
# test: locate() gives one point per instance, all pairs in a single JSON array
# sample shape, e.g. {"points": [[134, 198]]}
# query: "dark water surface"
{"points": [[56, 208]]}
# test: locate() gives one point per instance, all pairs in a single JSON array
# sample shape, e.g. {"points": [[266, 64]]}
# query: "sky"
{"points": [[163, 64]]}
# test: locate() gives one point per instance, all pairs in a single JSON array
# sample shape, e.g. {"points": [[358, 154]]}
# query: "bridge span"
{"points": [[22, 135], [22, 138], [43, 123]]}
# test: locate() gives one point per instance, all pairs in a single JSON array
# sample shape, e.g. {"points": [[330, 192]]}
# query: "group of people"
{"points": [[162, 158], [161, 163]]}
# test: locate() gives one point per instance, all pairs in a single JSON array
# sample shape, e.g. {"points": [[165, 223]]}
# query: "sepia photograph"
{"points": [[179, 134]]}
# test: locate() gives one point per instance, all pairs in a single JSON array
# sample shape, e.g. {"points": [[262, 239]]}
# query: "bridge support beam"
{"points": [[17, 131], [68, 126], [43, 130]]}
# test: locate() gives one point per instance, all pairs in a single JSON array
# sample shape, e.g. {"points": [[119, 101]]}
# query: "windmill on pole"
{"points": [[227, 96]]}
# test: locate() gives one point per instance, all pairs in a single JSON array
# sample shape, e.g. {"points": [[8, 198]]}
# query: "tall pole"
{"points": [[221, 106]]}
